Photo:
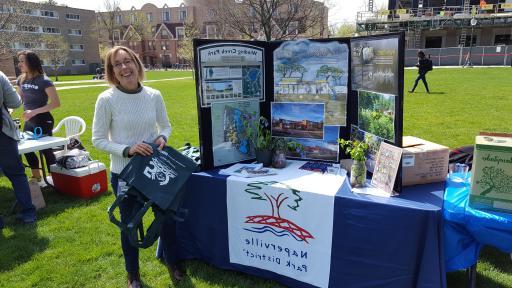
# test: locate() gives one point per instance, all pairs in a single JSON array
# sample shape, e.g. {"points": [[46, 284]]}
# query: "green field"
{"points": [[74, 244]]}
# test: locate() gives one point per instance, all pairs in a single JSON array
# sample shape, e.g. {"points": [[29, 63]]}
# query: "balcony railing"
{"points": [[447, 12]]}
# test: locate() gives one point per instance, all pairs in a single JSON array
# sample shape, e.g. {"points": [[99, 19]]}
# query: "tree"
{"points": [[346, 30], [185, 46], [106, 20], [56, 52], [272, 19], [141, 27], [12, 22]]}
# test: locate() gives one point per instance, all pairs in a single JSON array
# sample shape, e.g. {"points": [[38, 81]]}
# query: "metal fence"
{"points": [[457, 56]]}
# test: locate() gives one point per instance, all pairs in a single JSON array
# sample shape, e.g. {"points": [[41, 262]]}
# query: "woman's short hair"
{"points": [[33, 63], [421, 54], [109, 64]]}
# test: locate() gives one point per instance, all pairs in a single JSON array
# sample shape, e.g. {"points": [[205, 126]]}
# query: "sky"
{"points": [[340, 11]]}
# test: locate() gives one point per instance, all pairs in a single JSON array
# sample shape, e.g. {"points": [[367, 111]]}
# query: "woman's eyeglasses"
{"points": [[126, 62]]}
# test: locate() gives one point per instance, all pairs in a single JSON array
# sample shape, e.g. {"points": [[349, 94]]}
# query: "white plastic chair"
{"points": [[74, 126]]}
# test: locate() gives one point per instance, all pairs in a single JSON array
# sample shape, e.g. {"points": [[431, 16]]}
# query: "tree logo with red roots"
{"points": [[274, 223]]}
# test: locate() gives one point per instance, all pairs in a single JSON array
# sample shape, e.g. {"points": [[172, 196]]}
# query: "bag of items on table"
{"points": [[151, 181]]}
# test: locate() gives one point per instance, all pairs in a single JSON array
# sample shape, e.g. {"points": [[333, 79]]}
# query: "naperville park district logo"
{"points": [[274, 223], [159, 172]]}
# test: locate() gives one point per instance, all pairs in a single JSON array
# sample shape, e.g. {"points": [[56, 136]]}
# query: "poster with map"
{"points": [[313, 72], [230, 143], [230, 72]]}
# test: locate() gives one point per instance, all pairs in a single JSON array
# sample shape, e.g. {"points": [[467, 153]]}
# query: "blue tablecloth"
{"points": [[467, 230], [377, 242]]}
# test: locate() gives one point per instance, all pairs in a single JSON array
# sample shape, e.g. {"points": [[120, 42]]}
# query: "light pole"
{"points": [[163, 57], [468, 63]]}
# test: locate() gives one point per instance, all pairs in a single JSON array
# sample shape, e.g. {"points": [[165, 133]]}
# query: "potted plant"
{"points": [[259, 135], [357, 150], [281, 146]]}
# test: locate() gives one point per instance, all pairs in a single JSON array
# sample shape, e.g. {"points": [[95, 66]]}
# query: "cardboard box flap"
{"points": [[496, 142], [412, 144]]}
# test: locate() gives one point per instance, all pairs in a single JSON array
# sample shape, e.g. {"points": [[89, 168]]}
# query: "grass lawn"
{"points": [[150, 75], [74, 244]]}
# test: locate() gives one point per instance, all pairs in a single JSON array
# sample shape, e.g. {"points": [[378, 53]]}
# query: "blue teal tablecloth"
{"points": [[467, 230], [377, 242]]}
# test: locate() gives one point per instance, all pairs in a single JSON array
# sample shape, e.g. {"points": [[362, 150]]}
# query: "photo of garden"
{"points": [[376, 114]]}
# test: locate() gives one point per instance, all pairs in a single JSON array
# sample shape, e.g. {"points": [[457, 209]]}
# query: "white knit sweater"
{"points": [[122, 120]]}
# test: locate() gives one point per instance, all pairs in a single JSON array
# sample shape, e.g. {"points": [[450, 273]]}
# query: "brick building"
{"points": [[75, 25]]}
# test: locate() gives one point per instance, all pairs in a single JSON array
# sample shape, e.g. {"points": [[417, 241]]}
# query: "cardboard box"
{"points": [[491, 187], [423, 161], [85, 182]]}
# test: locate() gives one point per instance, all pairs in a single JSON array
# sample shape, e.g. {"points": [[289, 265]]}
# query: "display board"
{"points": [[313, 92]]}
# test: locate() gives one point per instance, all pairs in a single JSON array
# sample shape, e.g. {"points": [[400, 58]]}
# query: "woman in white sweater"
{"points": [[127, 115]]}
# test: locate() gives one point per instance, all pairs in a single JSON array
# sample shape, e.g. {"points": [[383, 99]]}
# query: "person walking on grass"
{"points": [[424, 65], [39, 98], [127, 115], [10, 160]]}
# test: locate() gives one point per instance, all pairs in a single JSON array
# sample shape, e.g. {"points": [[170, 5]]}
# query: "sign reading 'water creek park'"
{"points": [[284, 223]]}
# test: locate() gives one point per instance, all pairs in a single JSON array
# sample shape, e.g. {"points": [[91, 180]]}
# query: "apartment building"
{"points": [[76, 26], [154, 33], [443, 23]]}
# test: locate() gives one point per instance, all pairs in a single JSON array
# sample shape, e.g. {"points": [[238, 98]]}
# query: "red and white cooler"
{"points": [[84, 182]]}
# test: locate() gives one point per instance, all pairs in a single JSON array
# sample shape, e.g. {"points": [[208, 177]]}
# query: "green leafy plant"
{"points": [[283, 145], [258, 134], [356, 149]]}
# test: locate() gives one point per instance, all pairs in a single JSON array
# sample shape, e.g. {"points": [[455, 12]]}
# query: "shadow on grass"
{"points": [[56, 202], [216, 277], [437, 93], [20, 245]]}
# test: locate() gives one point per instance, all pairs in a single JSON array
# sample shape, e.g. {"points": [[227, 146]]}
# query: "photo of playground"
{"points": [[289, 120]]}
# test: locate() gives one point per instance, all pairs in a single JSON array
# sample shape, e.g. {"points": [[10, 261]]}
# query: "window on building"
{"points": [[211, 31], [164, 34], [503, 39], [75, 32], [116, 34], [76, 47], [180, 33], [149, 17], [30, 45], [77, 62], [166, 16], [151, 45], [71, 16], [294, 8], [51, 30], [133, 18], [211, 13], [6, 9], [434, 42], [46, 62], [30, 29], [183, 15], [30, 12], [50, 14], [293, 28], [252, 12], [118, 19]]}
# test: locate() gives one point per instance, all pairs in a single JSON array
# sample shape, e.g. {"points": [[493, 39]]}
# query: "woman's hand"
{"points": [[141, 148], [160, 141], [28, 114]]}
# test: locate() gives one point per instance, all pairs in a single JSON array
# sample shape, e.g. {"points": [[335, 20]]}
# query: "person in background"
{"points": [[39, 98], [10, 160], [127, 115], [424, 65]]}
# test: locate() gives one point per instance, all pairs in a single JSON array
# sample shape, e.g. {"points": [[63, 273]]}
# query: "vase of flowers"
{"points": [[357, 150]]}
